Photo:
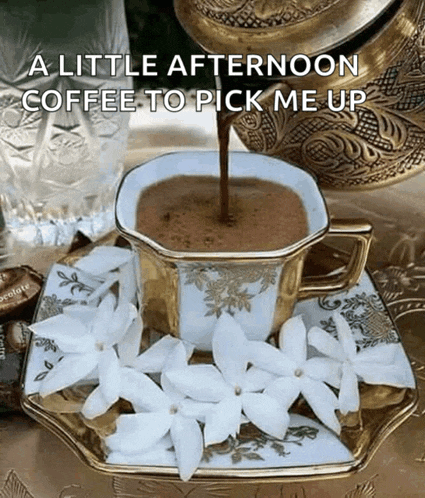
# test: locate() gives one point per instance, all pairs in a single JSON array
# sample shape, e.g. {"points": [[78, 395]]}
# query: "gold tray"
{"points": [[383, 408]]}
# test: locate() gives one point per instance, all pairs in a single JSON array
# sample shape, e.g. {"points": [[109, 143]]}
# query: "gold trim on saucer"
{"points": [[383, 409], [362, 439]]}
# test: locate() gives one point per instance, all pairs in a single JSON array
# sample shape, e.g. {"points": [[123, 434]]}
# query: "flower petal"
{"points": [[188, 444], [325, 343], [81, 312], [152, 360], [381, 353], [293, 339], [223, 421], [195, 409], [142, 391], [269, 358], [200, 382], [322, 401], [266, 413], [177, 358], [127, 281], [324, 369], [83, 344], [345, 335], [103, 259], [230, 349], [128, 347], [256, 379], [104, 317], [170, 390], [95, 404], [71, 335], [72, 368], [138, 432], [109, 375], [103, 288], [285, 389], [388, 375], [123, 317], [153, 454], [349, 398]]}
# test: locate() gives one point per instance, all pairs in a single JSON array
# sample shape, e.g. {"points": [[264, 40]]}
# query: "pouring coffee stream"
{"points": [[224, 123], [225, 119]]}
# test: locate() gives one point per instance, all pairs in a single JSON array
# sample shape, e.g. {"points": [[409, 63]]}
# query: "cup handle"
{"points": [[361, 232]]}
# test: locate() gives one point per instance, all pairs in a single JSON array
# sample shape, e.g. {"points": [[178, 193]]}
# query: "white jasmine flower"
{"points": [[231, 386], [129, 346], [154, 359], [103, 259], [87, 335], [297, 374], [159, 411], [374, 365], [112, 264]]}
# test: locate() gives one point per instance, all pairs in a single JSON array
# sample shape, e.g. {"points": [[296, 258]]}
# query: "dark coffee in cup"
{"points": [[183, 214]]}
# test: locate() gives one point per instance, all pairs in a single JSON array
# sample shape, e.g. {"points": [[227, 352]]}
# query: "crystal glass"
{"points": [[59, 170]]}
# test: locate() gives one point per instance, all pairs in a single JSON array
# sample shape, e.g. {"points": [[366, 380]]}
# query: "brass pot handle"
{"points": [[361, 232]]}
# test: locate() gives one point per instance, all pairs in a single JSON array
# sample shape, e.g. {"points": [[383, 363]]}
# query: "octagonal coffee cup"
{"points": [[184, 292]]}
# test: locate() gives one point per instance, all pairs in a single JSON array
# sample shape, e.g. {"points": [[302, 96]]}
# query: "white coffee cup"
{"points": [[183, 293]]}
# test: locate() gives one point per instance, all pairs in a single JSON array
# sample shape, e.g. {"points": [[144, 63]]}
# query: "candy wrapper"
{"points": [[14, 338], [20, 289]]}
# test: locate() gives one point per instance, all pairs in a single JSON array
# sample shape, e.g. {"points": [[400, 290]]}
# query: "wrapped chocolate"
{"points": [[14, 339], [20, 289]]}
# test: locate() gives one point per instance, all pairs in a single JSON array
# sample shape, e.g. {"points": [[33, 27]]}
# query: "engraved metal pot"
{"points": [[378, 143]]}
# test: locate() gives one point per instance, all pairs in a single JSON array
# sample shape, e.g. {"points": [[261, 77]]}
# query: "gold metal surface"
{"points": [[375, 423], [361, 232], [378, 143], [289, 284], [159, 292], [276, 27], [162, 283]]}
